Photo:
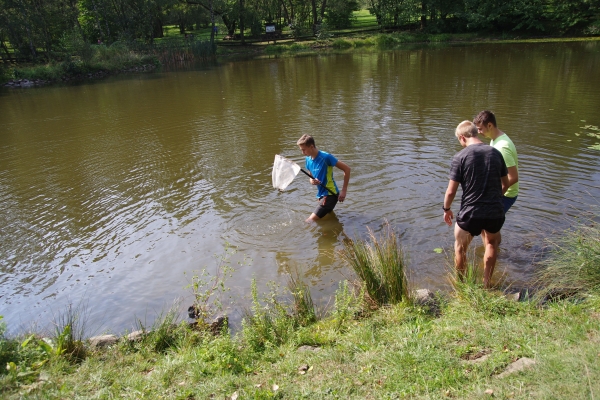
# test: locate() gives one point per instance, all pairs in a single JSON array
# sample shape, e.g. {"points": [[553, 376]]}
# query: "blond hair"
{"points": [[466, 129]]}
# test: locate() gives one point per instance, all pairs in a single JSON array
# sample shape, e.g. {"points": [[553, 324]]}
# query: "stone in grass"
{"points": [[136, 336], [426, 298], [103, 341], [519, 365], [308, 348]]}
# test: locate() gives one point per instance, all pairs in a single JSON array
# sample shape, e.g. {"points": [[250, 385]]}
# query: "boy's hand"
{"points": [[314, 181]]}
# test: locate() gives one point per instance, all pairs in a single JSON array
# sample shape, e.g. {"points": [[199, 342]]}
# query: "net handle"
{"points": [[320, 184]]}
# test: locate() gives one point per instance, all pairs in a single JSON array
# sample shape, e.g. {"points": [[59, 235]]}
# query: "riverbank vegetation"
{"points": [[473, 343], [62, 39]]}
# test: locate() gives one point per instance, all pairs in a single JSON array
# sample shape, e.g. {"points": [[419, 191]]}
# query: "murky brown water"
{"points": [[111, 191]]}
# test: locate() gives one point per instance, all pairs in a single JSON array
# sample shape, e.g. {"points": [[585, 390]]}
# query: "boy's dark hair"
{"points": [[306, 140], [485, 117]]}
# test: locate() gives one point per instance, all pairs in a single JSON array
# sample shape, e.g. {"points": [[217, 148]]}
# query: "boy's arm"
{"points": [[344, 167], [448, 199]]}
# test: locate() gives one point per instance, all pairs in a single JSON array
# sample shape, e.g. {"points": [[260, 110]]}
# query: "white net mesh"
{"points": [[284, 172]]}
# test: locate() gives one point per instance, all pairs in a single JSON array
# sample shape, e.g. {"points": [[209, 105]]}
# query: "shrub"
{"points": [[274, 49], [342, 44]]}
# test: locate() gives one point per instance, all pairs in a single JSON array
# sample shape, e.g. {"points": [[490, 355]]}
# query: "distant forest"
{"points": [[36, 29]]}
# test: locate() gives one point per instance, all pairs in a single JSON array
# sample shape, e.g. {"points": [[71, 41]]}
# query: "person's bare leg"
{"points": [[462, 239], [313, 217], [491, 242]]}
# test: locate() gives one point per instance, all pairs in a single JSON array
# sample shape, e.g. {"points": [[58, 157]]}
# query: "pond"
{"points": [[115, 192]]}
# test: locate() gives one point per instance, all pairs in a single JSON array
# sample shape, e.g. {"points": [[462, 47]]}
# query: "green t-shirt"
{"points": [[509, 152]]}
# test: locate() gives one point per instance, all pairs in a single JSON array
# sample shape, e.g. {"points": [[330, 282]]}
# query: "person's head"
{"points": [[307, 145], [485, 121], [465, 130]]}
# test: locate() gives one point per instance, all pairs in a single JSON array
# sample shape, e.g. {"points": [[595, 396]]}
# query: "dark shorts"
{"points": [[507, 202], [326, 205], [475, 225]]}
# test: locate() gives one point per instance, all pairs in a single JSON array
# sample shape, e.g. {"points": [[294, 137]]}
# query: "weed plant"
{"points": [[70, 331], [348, 304], [303, 307], [268, 322], [380, 263]]}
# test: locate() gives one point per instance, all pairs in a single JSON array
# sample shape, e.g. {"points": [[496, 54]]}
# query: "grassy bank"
{"points": [[397, 352], [367, 345]]}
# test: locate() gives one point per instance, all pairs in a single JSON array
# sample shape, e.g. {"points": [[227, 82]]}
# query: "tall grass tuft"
{"points": [[574, 259], [380, 264], [70, 331], [164, 333]]}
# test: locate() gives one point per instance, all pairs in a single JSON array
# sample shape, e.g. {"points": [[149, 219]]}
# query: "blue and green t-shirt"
{"points": [[321, 168]]}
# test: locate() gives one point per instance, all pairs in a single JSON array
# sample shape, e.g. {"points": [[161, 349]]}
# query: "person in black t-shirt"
{"points": [[481, 172]]}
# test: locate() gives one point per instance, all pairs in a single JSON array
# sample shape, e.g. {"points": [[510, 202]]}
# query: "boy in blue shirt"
{"points": [[320, 165]]}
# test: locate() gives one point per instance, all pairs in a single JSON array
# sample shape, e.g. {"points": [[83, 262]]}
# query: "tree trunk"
{"points": [[242, 25], [212, 25], [285, 12], [313, 3]]}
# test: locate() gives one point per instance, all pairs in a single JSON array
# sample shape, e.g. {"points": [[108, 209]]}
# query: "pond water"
{"points": [[115, 192]]}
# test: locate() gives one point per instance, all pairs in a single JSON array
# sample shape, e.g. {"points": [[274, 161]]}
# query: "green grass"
{"points": [[397, 352]]}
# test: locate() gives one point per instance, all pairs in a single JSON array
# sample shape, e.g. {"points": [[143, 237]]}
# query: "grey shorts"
{"points": [[326, 205]]}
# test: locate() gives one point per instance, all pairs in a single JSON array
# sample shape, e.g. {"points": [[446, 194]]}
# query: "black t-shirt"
{"points": [[479, 168]]}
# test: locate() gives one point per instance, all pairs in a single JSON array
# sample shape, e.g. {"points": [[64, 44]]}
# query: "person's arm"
{"points": [[513, 176], [344, 167], [505, 182], [448, 199]]}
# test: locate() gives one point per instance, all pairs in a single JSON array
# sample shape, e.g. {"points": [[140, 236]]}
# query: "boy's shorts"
{"points": [[326, 205], [475, 225], [507, 202]]}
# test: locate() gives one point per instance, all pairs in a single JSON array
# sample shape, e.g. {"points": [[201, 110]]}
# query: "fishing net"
{"points": [[284, 172]]}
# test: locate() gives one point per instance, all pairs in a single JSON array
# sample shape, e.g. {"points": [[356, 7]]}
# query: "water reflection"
{"points": [[113, 190]]}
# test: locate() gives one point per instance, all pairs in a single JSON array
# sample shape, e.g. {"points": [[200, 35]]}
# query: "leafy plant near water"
{"points": [[574, 259], [269, 324], [208, 290], [347, 303], [380, 263], [271, 320], [303, 307]]}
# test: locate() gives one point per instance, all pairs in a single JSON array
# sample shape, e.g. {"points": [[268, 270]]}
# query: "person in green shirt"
{"points": [[487, 126]]}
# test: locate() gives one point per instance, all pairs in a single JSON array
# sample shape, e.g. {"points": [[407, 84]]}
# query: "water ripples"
{"points": [[132, 184]]}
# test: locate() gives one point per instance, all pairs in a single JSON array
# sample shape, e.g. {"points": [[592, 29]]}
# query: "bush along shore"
{"points": [[378, 339], [99, 61], [86, 61]]}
